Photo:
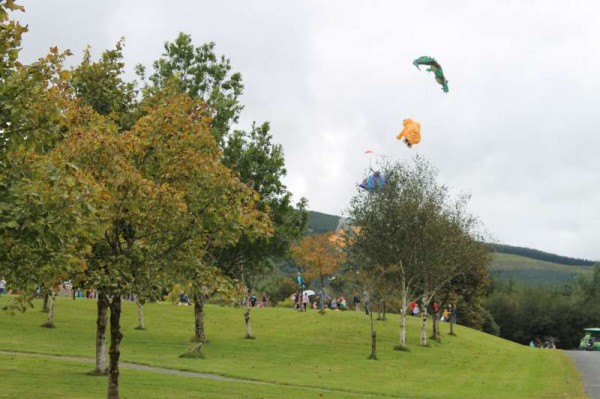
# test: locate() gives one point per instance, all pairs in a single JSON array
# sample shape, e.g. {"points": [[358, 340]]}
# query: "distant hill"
{"points": [[321, 222], [527, 265], [534, 271], [540, 255]]}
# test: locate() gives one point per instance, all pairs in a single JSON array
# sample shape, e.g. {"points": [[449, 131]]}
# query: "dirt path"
{"points": [[192, 374], [588, 364]]}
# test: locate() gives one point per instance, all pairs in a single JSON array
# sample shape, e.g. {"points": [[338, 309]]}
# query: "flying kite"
{"points": [[434, 67], [373, 182], [411, 132]]}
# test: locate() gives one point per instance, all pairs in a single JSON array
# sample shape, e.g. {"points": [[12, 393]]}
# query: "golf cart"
{"points": [[590, 340]]}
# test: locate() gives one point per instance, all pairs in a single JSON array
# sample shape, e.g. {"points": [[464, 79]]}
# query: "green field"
{"points": [[299, 355], [534, 271]]}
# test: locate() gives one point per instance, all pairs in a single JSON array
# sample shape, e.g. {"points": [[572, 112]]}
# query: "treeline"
{"points": [[539, 255], [523, 313]]}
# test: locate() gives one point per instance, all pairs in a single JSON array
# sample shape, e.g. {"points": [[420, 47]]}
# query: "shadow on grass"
{"points": [[193, 355], [401, 348]]}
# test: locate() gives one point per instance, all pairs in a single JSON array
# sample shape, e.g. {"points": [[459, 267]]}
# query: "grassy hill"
{"points": [[534, 271], [295, 355]]}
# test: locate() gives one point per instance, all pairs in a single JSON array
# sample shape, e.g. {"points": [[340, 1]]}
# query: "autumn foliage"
{"points": [[317, 257]]}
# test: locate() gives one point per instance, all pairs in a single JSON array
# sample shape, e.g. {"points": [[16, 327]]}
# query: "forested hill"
{"points": [[321, 222]]}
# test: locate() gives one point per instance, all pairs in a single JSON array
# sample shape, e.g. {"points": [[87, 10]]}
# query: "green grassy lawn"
{"points": [[298, 351]]}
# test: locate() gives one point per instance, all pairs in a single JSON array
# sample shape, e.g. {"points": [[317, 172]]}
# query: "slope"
{"points": [[305, 354]]}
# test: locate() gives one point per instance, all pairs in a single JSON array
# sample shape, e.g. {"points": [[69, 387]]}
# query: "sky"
{"points": [[518, 130]]}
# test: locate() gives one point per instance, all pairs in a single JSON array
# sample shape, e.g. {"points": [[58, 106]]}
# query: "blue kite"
{"points": [[374, 182]]}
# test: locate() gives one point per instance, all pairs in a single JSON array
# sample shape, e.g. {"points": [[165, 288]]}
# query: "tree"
{"points": [[389, 238], [166, 199], [316, 256], [260, 164], [448, 239], [100, 85], [45, 201], [412, 229], [200, 73]]}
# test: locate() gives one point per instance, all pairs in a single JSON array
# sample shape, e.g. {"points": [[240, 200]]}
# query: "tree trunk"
{"points": [[101, 321], [435, 326], [452, 320], [403, 308], [248, 326], [384, 318], [373, 340], [379, 311], [140, 314], [115, 347], [50, 322], [199, 334], [424, 325]]}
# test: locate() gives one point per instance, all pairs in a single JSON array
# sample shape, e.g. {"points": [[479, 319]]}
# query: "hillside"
{"points": [[527, 265], [321, 222], [295, 355], [534, 271]]}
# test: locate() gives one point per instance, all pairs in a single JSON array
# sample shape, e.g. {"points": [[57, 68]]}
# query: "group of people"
{"points": [[302, 301], [255, 303], [448, 312]]}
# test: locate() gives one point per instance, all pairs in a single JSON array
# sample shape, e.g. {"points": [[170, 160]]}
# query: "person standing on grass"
{"points": [[305, 300], [323, 299], [416, 310], [356, 301], [2, 285]]}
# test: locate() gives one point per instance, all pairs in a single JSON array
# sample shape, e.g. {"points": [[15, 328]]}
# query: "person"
{"points": [[334, 305], [305, 300], [293, 297], [452, 310], [183, 299], [416, 310], [253, 299], [445, 314], [2, 285], [342, 302], [532, 344], [366, 298], [314, 305], [412, 306], [322, 299], [356, 301]]}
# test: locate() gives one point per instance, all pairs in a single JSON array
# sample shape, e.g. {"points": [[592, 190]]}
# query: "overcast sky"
{"points": [[518, 129]]}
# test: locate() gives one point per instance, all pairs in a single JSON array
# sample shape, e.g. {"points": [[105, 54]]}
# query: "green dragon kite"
{"points": [[435, 68]]}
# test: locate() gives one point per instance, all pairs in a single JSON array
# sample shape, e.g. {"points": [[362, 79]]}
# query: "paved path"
{"points": [[588, 364]]}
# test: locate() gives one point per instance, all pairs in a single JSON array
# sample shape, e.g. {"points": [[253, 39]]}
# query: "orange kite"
{"points": [[411, 132]]}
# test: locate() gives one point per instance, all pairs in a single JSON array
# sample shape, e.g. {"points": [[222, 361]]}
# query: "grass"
{"points": [[298, 351]]}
